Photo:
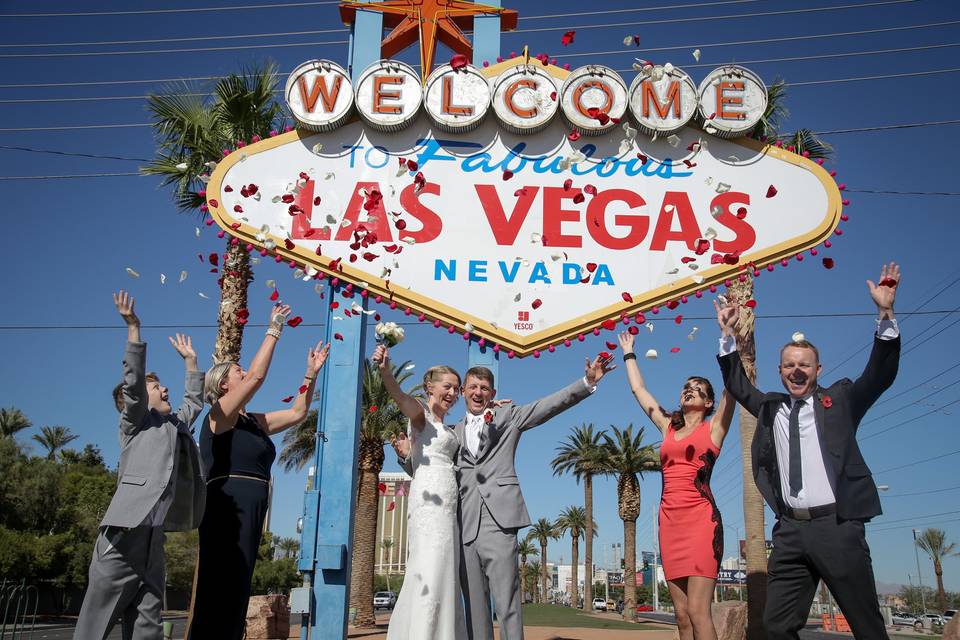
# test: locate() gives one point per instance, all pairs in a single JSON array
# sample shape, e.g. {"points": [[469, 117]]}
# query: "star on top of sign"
{"points": [[427, 21]]}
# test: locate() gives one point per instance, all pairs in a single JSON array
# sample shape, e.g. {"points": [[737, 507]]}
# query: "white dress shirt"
{"points": [[816, 489]]}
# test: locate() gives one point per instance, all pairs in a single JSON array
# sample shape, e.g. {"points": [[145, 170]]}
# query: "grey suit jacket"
{"points": [[149, 443], [491, 477]]}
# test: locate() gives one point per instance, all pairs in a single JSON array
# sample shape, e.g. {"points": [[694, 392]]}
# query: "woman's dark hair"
{"points": [[676, 417]]}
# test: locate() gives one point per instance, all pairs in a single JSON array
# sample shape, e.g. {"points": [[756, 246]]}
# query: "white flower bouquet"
{"points": [[389, 333]]}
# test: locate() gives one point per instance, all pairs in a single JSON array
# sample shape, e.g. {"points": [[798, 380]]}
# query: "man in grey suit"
{"points": [[161, 488], [492, 510]]}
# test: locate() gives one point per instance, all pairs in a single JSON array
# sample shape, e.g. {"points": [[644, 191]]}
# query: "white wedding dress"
{"points": [[430, 606]]}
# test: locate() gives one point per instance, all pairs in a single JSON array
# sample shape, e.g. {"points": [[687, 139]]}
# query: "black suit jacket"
{"points": [[837, 425]]}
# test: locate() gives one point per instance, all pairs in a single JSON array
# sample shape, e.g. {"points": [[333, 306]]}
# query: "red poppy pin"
{"points": [[488, 417], [826, 401]]}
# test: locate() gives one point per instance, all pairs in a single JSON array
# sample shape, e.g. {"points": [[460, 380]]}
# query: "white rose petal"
{"points": [[409, 366], [516, 298], [722, 187], [254, 260], [203, 295], [693, 266], [183, 276], [692, 334], [649, 327], [318, 288], [697, 279], [627, 41], [330, 175], [696, 55], [668, 67], [271, 284], [468, 327], [625, 146], [673, 271], [182, 166], [275, 199], [535, 238], [163, 278], [132, 273], [673, 140], [651, 354], [798, 337], [196, 231], [210, 165], [710, 233], [317, 148]]}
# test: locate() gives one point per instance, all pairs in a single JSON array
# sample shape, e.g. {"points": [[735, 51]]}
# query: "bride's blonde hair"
{"points": [[435, 372]]}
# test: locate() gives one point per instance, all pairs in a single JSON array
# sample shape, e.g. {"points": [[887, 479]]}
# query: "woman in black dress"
{"points": [[237, 454]]}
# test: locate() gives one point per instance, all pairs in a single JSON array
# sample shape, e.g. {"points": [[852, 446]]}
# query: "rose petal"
{"points": [[798, 337], [302, 389], [274, 296], [536, 303], [573, 136], [678, 319], [567, 184], [609, 324], [507, 174], [567, 38], [828, 263], [675, 350], [651, 354], [626, 297], [287, 399], [771, 191], [578, 198], [592, 190], [337, 336], [458, 61], [294, 321], [132, 273], [750, 304]]}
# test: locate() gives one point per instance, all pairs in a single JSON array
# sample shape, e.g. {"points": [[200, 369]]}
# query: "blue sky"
{"points": [[69, 240]]}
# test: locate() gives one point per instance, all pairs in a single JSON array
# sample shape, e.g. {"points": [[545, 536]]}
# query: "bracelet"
{"points": [[629, 356], [310, 378], [272, 331]]}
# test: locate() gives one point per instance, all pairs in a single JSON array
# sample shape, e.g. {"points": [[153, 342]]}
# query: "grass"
{"points": [[551, 615]]}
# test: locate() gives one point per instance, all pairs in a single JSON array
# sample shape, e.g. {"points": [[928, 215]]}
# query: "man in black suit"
{"points": [[809, 469]]}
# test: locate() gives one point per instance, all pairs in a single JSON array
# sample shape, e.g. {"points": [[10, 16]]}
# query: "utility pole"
{"points": [[916, 553], [654, 585]]}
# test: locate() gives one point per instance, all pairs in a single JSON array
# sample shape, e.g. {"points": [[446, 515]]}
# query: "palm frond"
{"points": [[805, 140], [775, 114]]}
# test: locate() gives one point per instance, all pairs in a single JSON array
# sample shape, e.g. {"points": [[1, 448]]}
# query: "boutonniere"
{"points": [[488, 416], [826, 401]]}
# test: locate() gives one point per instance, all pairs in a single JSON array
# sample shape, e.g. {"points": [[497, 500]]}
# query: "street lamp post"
{"points": [[916, 553]]}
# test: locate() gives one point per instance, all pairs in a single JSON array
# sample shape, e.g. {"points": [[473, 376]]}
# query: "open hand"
{"points": [[124, 303], [316, 357], [626, 341], [184, 346], [381, 356], [279, 315], [727, 315], [401, 445], [884, 292], [598, 368]]}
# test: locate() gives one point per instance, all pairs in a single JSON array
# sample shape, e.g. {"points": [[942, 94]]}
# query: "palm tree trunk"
{"points": [[235, 277], [941, 594], [588, 544], [364, 548], [523, 579], [543, 572], [575, 555], [753, 514], [629, 569]]}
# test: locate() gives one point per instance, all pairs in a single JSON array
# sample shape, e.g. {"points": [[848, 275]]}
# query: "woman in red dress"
{"points": [[691, 531]]}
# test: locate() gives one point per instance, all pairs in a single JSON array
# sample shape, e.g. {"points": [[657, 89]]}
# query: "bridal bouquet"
{"points": [[389, 333]]}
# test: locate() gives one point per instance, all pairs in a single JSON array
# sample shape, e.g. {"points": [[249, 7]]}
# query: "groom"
{"points": [[492, 510]]}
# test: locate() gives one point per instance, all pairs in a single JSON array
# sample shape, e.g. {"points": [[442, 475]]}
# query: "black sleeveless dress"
{"points": [[232, 526]]}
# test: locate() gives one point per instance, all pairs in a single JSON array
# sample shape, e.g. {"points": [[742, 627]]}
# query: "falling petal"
{"points": [[673, 140], [710, 233], [722, 187], [163, 278], [798, 337], [409, 366], [651, 354], [183, 276], [516, 298], [132, 273], [692, 334], [317, 148], [196, 231], [203, 295], [182, 166], [649, 327], [697, 279], [673, 271], [696, 55]]}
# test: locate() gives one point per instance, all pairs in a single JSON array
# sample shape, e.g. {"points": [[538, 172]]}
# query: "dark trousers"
{"points": [[806, 551]]}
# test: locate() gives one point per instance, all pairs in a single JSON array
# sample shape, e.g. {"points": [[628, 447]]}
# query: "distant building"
{"points": [[392, 523]]}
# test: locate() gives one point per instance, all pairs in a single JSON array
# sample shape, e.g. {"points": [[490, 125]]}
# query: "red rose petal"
{"points": [[672, 304], [288, 243], [771, 191], [609, 324], [678, 319], [507, 174], [633, 330], [591, 266], [690, 165], [592, 190], [392, 506], [567, 38], [751, 304], [626, 297], [577, 199], [237, 208], [411, 165], [888, 282], [458, 61], [227, 188], [316, 201], [213, 258], [294, 321], [828, 263], [643, 158], [536, 303], [611, 345], [337, 336], [381, 487], [287, 399], [703, 245], [553, 96], [675, 350], [303, 389], [567, 184], [274, 296], [287, 198], [520, 192]]}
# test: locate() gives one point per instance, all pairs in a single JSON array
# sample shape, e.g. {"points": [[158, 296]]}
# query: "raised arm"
{"points": [[720, 423], [530, 415], [134, 392], [735, 380], [223, 414], [193, 385], [407, 403], [884, 362], [644, 398], [276, 421]]}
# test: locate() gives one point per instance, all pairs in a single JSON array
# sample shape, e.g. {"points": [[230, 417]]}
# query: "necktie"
{"points": [[796, 472], [482, 437]]}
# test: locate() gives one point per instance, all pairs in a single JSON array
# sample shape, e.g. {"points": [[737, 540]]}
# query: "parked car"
{"points": [[611, 604], [644, 607], [599, 604], [935, 620], [902, 617], [384, 600], [948, 614]]}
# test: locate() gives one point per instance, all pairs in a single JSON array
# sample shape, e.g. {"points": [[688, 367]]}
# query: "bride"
{"points": [[429, 606]]}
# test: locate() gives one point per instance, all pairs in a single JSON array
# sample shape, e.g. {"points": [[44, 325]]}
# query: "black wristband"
{"points": [[629, 356]]}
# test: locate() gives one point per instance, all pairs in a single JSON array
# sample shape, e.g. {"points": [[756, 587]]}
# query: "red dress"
{"points": [[691, 531]]}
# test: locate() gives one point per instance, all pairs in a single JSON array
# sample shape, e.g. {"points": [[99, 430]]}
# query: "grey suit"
{"points": [[492, 511], [127, 570]]}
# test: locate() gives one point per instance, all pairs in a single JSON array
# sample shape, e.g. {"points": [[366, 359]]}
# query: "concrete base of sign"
{"points": [[952, 630], [268, 618], [730, 620]]}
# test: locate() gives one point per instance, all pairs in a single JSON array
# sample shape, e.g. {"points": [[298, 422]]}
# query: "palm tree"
{"points": [[768, 130], [11, 421], [290, 547], [753, 505], [525, 549], [933, 542], [543, 530], [531, 573], [581, 454], [627, 457], [54, 438], [573, 520], [299, 444], [381, 419], [386, 544], [192, 129]]}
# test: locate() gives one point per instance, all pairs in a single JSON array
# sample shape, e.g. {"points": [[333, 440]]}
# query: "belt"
{"points": [[237, 475], [811, 512]]}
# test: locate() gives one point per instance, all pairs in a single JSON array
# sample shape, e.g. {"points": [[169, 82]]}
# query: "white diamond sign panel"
{"points": [[523, 240]]}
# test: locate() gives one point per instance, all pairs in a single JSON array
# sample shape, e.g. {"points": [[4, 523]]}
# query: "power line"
{"points": [[911, 74], [930, 515], [282, 5], [737, 16], [277, 34], [888, 127], [135, 52], [906, 422], [916, 462], [920, 493], [930, 337], [72, 177], [910, 404], [72, 154], [637, 10], [910, 526], [79, 126], [905, 193], [841, 34], [920, 384]]}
